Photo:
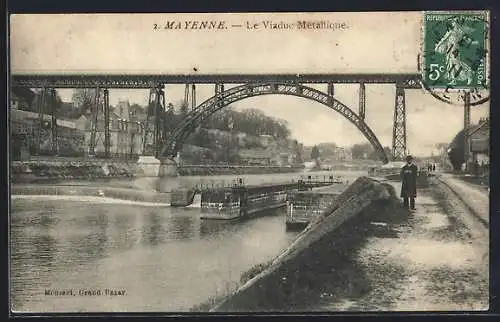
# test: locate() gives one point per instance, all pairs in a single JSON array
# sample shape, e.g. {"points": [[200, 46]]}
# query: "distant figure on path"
{"points": [[476, 168], [434, 167], [409, 183]]}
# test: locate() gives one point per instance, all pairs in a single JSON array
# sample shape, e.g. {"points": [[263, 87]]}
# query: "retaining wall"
{"points": [[189, 170], [296, 269], [39, 171]]}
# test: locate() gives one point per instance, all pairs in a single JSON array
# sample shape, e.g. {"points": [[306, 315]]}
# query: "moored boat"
{"points": [[241, 201], [302, 206]]}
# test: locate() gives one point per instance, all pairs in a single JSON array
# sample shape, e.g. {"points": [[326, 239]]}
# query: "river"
{"points": [[165, 259]]}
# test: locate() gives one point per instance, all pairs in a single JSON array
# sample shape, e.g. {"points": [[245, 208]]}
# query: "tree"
{"points": [[170, 118], [315, 153], [375, 155], [184, 109], [361, 151], [84, 99], [136, 109], [47, 97]]}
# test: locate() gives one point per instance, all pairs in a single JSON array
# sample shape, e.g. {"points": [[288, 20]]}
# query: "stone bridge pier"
{"points": [[158, 167], [167, 168]]}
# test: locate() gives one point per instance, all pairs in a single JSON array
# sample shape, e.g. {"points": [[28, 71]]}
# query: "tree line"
{"points": [[359, 151], [250, 121]]}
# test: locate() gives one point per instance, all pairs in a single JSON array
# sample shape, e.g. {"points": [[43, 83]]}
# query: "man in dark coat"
{"points": [[409, 182]]}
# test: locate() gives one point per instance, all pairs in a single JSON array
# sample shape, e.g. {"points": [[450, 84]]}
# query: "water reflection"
{"points": [[124, 232], [95, 244], [180, 226], [153, 232], [212, 228], [166, 258]]}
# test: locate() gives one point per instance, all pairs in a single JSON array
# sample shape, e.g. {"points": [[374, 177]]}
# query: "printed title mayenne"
{"points": [[250, 25]]}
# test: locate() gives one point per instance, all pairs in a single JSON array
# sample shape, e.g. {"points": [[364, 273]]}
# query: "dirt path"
{"points": [[475, 197], [435, 259]]}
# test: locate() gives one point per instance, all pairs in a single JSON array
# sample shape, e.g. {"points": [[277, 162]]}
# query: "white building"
{"points": [[122, 110]]}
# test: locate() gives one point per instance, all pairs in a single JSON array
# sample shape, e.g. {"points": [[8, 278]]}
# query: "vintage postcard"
{"points": [[249, 162]]}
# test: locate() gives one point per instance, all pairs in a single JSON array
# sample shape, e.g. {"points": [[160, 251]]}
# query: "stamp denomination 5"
{"points": [[455, 50]]}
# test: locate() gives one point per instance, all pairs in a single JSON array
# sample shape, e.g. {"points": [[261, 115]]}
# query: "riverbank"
{"points": [[383, 258], [271, 284], [208, 170], [45, 171]]}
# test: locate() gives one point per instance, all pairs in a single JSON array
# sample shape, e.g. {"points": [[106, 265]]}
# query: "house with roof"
{"points": [[21, 98], [254, 157], [126, 136], [479, 138], [26, 125]]}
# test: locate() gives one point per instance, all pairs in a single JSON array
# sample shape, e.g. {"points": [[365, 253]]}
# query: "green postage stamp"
{"points": [[455, 50]]}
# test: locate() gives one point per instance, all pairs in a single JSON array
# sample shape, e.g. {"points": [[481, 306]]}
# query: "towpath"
{"points": [[475, 197], [436, 258]]}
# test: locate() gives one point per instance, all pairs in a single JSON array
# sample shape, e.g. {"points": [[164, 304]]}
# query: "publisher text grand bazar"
{"points": [[251, 25]]}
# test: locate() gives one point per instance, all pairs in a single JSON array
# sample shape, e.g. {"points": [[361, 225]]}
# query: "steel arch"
{"points": [[217, 102]]}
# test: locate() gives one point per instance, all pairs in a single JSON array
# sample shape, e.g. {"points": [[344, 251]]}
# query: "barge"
{"points": [[241, 201], [302, 206]]}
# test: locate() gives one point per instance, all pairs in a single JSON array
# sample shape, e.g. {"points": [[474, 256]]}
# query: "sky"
{"points": [[369, 43]]}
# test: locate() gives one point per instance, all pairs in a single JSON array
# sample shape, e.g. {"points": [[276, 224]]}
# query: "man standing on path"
{"points": [[409, 183]]}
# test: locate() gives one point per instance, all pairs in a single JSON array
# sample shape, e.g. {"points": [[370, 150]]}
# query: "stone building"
{"points": [[479, 138], [254, 157], [125, 135]]}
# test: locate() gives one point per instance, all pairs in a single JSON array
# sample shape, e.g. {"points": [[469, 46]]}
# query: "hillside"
{"points": [[217, 146]]}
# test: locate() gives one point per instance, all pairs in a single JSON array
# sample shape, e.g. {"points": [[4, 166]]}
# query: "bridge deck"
{"points": [[85, 80]]}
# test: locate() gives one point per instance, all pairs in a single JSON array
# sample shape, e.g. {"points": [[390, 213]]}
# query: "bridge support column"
{"points": [[466, 129], [107, 134], [147, 140], [167, 168], [41, 111], [362, 101], [148, 161], [53, 112], [95, 119], [154, 137], [159, 119], [399, 125], [331, 89], [186, 95], [190, 90], [219, 89], [150, 165], [193, 96]]}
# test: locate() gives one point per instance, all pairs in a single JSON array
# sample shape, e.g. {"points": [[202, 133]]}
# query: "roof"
{"points": [[20, 115], [24, 93], [482, 125]]}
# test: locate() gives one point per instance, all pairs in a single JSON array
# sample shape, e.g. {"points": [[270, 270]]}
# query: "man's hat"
{"points": [[409, 158]]}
